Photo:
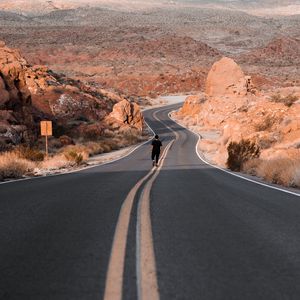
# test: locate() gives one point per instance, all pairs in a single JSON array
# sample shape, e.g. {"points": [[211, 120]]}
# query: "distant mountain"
{"points": [[283, 51], [260, 7]]}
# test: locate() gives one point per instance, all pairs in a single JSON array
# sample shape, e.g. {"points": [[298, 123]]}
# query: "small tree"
{"points": [[240, 152]]}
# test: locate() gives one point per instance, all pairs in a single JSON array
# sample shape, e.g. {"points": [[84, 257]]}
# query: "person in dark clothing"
{"points": [[156, 144]]}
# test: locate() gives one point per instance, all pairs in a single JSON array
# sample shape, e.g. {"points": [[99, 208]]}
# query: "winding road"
{"points": [[125, 230]]}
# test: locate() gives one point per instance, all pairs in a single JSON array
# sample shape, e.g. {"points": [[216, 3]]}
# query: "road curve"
{"points": [[213, 235]]}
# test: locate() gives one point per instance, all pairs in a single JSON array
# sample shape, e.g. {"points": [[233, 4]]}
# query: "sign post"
{"points": [[46, 130]]}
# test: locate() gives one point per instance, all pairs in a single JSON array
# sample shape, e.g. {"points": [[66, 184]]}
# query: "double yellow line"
{"points": [[145, 259]]}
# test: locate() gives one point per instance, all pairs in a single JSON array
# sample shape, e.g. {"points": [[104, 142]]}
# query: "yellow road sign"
{"points": [[46, 128]]}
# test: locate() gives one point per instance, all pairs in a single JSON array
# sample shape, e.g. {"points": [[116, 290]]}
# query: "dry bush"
{"points": [[91, 132], [288, 100], [281, 171], [29, 153], [75, 157], [297, 177], [54, 144], [56, 162], [77, 154], [251, 166], [265, 143], [66, 140], [109, 133], [94, 148], [112, 144], [131, 137], [266, 124], [240, 152], [12, 166]]}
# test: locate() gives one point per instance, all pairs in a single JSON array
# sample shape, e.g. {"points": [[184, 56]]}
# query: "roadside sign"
{"points": [[46, 128]]}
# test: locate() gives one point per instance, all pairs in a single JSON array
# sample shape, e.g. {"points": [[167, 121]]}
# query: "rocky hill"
{"points": [[29, 94], [232, 109], [149, 51], [34, 7], [283, 51]]}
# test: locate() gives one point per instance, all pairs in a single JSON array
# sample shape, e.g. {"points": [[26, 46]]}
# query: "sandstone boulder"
{"points": [[126, 113], [227, 78], [12, 72], [192, 105]]}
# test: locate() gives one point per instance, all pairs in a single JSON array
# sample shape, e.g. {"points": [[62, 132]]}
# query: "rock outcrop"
{"points": [[230, 111], [29, 94], [16, 111], [227, 78], [192, 105], [126, 114], [283, 51]]}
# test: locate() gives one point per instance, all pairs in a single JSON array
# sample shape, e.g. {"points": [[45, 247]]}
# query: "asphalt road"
{"points": [[194, 232]]}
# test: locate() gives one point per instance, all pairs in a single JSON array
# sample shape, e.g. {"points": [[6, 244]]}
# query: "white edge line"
{"points": [[227, 171]]}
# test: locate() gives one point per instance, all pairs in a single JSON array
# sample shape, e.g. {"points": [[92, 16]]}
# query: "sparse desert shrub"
{"points": [[66, 140], [76, 153], [106, 147], [30, 153], [132, 137], [266, 124], [288, 100], [296, 181], [75, 157], [108, 133], [12, 166], [251, 166], [265, 143], [56, 162], [54, 144], [94, 148], [92, 132], [240, 152], [113, 144], [281, 171], [276, 97]]}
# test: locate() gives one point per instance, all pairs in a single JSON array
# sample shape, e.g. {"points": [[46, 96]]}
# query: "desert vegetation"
{"points": [[241, 152], [283, 171], [25, 161], [288, 100]]}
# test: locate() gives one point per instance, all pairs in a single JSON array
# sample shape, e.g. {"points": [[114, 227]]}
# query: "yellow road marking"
{"points": [[146, 267], [114, 277], [115, 272]]}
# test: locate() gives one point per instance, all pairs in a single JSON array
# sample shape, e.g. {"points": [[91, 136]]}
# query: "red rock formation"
{"points": [[231, 113], [283, 51], [30, 94], [192, 105], [227, 78], [126, 114]]}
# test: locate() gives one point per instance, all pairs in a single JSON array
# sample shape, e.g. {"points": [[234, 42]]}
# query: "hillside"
{"points": [[233, 110], [283, 51], [40, 7], [146, 52], [29, 94]]}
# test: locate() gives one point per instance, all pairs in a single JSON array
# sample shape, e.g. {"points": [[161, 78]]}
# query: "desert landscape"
{"points": [[149, 149], [77, 59]]}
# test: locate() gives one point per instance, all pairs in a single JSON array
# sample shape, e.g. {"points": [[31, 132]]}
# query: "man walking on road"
{"points": [[156, 144]]}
